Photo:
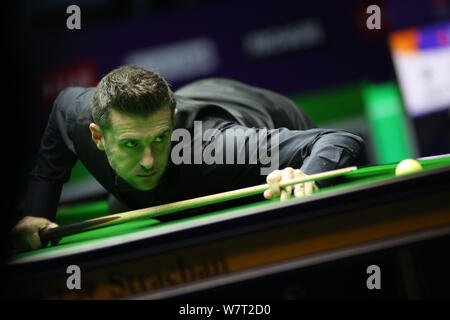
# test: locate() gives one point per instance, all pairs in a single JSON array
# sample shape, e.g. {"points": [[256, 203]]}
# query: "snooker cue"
{"points": [[151, 212]]}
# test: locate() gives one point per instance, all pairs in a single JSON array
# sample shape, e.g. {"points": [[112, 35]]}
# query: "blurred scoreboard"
{"points": [[421, 59]]}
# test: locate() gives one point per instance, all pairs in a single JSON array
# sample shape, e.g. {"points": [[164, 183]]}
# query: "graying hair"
{"points": [[131, 90]]}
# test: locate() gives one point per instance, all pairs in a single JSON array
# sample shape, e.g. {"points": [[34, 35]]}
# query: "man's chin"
{"points": [[146, 186]]}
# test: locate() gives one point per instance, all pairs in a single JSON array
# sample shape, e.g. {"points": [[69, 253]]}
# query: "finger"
{"points": [[308, 188], [299, 190], [298, 173], [273, 180], [284, 195], [286, 192], [51, 226], [268, 194], [33, 240]]}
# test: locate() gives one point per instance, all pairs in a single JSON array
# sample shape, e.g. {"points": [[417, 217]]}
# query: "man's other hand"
{"points": [[25, 235], [276, 177]]}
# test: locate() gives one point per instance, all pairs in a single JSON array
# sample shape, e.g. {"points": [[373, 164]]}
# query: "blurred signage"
{"points": [[180, 60], [279, 39], [83, 74]]}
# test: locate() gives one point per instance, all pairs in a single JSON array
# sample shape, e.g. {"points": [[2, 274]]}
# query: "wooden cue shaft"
{"points": [[151, 212]]}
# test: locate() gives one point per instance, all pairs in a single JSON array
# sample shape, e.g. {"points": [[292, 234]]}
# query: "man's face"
{"points": [[138, 147]]}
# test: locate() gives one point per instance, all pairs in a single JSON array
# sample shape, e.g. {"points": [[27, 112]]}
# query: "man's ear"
{"points": [[97, 136], [174, 121]]}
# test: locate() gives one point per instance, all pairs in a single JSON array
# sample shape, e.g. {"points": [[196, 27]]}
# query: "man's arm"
{"points": [[53, 166], [330, 150], [311, 151], [319, 150]]}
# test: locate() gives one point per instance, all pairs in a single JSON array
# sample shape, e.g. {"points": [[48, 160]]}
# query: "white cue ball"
{"points": [[407, 166]]}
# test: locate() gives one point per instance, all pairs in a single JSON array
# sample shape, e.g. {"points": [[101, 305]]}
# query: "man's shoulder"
{"points": [[70, 94], [74, 100], [210, 83]]}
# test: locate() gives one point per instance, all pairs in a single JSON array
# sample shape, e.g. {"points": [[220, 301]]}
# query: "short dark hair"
{"points": [[132, 90]]}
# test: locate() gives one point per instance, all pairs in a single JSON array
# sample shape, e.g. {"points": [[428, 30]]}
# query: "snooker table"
{"points": [[361, 213]]}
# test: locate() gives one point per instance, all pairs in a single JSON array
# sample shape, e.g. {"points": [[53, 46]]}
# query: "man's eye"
{"points": [[160, 138], [130, 144]]}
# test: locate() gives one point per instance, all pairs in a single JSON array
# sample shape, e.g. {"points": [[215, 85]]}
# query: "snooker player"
{"points": [[122, 131]]}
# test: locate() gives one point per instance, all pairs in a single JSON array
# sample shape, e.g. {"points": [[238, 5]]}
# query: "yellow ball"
{"points": [[407, 166]]}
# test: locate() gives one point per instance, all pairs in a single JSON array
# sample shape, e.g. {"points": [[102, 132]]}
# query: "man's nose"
{"points": [[147, 158]]}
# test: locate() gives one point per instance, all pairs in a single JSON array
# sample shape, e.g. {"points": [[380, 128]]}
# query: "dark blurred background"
{"points": [[321, 54]]}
